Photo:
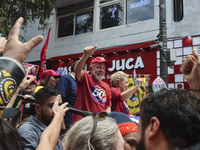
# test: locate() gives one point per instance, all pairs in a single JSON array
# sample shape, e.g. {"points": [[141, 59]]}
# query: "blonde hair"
{"points": [[117, 76], [105, 136]]}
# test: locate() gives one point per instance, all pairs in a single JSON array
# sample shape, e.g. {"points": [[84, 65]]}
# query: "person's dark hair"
{"points": [[44, 93], [179, 114], [73, 65], [9, 138], [44, 81]]}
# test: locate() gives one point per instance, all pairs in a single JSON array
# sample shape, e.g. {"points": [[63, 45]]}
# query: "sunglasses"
{"points": [[97, 116]]}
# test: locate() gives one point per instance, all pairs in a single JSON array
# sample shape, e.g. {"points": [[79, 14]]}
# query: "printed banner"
{"points": [[33, 71], [43, 55], [134, 101]]}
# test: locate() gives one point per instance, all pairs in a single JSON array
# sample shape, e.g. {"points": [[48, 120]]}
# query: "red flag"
{"points": [[43, 55]]}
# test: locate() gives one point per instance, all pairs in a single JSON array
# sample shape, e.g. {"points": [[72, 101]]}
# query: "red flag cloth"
{"points": [[43, 55]]}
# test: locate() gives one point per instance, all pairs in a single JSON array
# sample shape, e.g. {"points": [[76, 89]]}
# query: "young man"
{"points": [[168, 120], [92, 94], [32, 130]]}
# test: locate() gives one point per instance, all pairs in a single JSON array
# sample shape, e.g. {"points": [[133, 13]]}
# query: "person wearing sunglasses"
{"points": [[92, 93], [168, 120], [94, 132], [49, 78]]}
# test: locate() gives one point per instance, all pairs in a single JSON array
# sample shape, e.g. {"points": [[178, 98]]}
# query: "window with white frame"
{"points": [[139, 10], [120, 12], [75, 19], [112, 15]]}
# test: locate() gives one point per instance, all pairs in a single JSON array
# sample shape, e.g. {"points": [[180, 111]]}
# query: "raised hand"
{"points": [[190, 67], [139, 82], [2, 44], [89, 50], [59, 111], [14, 48]]}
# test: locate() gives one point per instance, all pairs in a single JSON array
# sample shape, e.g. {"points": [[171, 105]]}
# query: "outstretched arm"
{"points": [[49, 137], [10, 63], [190, 67], [126, 94], [25, 82], [88, 51]]}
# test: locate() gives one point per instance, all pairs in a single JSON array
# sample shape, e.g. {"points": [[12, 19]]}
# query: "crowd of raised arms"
{"points": [[79, 111]]}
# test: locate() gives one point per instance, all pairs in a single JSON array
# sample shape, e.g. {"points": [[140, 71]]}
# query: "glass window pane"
{"points": [[187, 50], [84, 22], [105, 1], [138, 10], [178, 43], [65, 26], [178, 77], [112, 15], [171, 85], [179, 51], [170, 44], [196, 40], [179, 60]]}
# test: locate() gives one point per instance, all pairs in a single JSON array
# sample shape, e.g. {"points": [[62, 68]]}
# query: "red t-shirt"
{"points": [[117, 104], [91, 96]]}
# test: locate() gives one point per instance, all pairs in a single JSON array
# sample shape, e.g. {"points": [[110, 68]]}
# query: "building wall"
{"points": [[117, 36]]}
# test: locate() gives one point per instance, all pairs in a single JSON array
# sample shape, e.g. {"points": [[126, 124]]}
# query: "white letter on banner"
{"points": [[128, 62], [139, 63], [65, 71], [118, 67], [113, 66]]}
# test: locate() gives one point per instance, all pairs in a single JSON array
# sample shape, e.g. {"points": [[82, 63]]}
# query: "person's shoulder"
{"points": [[113, 89], [104, 84], [26, 128], [37, 89]]}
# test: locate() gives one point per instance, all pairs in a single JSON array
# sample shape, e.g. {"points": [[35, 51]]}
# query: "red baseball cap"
{"points": [[29, 76], [101, 59], [49, 73]]}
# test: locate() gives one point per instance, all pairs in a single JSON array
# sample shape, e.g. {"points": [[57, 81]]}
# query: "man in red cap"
{"points": [[92, 93]]}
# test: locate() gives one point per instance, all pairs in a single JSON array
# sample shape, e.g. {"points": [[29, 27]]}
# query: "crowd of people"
{"points": [[169, 120]]}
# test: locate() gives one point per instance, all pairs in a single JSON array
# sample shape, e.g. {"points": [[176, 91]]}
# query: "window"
{"points": [[84, 22], [139, 10], [121, 12], [75, 19], [112, 15], [65, 26], [105, 1], [178, 10]]}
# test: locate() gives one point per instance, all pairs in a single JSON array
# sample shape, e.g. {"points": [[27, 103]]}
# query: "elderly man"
{"points": [[32, 130], [168, 120], [92, 94]]}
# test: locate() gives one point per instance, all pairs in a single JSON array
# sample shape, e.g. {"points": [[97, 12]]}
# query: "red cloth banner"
{"points": [[43, 55]]}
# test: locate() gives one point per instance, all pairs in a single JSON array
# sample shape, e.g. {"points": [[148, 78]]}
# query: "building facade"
{"points": [[123, 30]]}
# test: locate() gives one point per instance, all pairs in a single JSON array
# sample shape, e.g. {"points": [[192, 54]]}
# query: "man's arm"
{"points": [[108, 109], [78, 69], [190, 67]]}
